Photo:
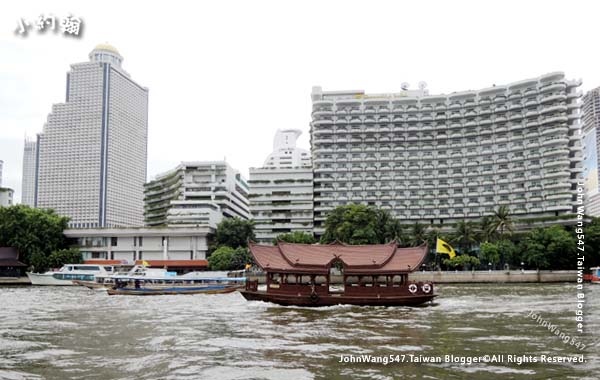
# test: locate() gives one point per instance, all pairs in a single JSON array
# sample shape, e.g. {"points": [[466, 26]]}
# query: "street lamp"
{"points": [[522, 268], [490, 266]]}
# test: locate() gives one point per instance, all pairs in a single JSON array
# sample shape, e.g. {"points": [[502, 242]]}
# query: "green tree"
{"points": [[234, 232], [387, 227], [417, 235], [465, 235], [240, 258], [360, 224], [221, 258], [36, 233], [64, 256], [508, 252], [462, 261], [501, 221], [489, 253], [486, 229], [549, 248], [296, 237], [227, 258]]}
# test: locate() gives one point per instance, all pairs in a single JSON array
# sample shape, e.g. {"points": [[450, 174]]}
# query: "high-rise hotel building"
{"points": [[29, 172], [281, 191], [591, 142], [93, 149], [443, 158]]}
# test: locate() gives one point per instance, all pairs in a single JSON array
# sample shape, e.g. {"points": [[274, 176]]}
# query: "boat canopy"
{"points": [[356, 259]]}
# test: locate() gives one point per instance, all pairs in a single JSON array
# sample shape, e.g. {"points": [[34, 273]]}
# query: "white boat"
{"points": [[70, 272], [107, 280]]}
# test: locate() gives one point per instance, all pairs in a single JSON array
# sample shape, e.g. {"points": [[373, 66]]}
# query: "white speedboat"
{"points": [[69, 273]]}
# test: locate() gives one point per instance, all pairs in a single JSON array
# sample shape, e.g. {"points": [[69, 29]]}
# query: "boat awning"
{"points": [[356, 259]]}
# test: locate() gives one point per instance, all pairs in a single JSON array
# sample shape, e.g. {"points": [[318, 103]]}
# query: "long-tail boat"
{"points": [[301, 274]]}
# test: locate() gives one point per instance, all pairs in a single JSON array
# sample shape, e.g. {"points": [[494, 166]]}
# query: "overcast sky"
{"points": [[225, 75]]}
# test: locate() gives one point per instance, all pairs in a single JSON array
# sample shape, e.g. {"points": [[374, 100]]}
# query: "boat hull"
{"points": [[172, 291], [90, 284], [337, 299], [47, 279]]}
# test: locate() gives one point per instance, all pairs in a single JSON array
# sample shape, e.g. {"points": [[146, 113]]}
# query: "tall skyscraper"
{"points": [[29, 172], [591, 142], [281, 192], [93, 150], [443, 158], [1, 165]]}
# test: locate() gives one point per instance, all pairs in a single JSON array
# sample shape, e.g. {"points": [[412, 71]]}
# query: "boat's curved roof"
{"points": [[356, 259]]}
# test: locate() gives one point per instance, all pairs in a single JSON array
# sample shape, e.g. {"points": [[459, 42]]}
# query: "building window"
{"points": [[113, 241]]}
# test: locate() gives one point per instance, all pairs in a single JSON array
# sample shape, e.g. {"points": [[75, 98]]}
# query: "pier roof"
{"points": [[356, 259]]}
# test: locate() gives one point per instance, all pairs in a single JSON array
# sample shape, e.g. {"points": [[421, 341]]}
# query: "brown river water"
{"points": [[76, 333]]}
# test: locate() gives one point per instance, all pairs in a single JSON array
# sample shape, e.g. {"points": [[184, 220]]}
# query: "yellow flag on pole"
{"points": [[443, 247], [145, 263]]}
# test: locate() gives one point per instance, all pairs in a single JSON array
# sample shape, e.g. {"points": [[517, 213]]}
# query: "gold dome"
{"points": [[107, 47]]}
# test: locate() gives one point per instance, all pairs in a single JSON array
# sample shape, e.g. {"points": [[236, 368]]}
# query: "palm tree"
{"points": [[502, 221], [486, 229], [465, 235], [418, 234]]}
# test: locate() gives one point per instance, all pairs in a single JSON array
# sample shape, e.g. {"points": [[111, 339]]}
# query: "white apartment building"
{"points": [[29, 172], [131, 244], [92, 152], [444, 158], [196, 194], [6, 197], [591, 124], [281, 192]]}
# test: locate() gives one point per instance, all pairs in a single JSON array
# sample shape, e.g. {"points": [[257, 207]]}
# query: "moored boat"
{"points": [[595, 276], [105, 281], [191, 283], [372, 275], [69, 273]]}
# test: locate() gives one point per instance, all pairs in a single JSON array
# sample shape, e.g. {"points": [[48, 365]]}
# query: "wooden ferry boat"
{"points": [[375, 275]]}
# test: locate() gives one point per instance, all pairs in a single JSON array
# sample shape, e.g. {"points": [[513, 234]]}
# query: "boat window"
{"points": [[87, 267], [320, 280], [352, 280]]}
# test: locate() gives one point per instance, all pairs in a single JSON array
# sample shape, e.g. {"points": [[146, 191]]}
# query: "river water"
{"points": [[76, 333]]}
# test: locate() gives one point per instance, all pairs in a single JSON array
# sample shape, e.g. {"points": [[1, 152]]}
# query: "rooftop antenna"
{"points": [[404, 86]]}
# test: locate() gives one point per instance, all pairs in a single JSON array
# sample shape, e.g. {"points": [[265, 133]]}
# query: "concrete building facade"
{"points": [[1, 166], [93, 149], [131, 244], [29, 172], [281, 192], [444, 158], [6, 197], [590, 142], [196, 194]]}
